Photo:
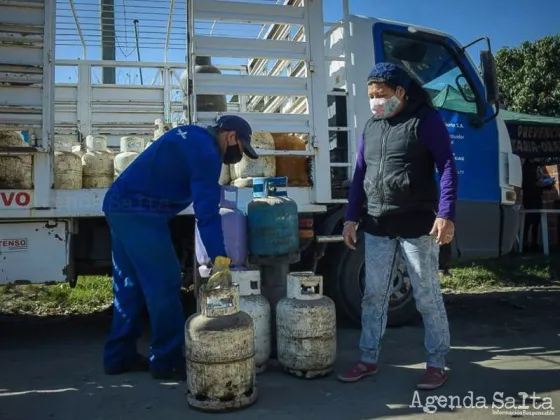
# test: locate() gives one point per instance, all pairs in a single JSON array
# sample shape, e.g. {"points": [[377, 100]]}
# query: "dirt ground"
{"points": [[503, 343]]}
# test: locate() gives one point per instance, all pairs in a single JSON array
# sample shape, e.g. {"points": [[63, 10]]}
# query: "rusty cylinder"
{"points": [[220, 353], [306, 327]]}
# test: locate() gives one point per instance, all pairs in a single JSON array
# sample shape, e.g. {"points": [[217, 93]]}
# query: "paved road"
{"points": [[51, 370]]}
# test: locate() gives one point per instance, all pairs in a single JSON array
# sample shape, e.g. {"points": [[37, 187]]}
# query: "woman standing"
{"points": [[395, 175]]}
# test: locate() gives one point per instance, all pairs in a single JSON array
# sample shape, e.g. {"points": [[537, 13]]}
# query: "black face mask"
{"points": [[232, 155]]}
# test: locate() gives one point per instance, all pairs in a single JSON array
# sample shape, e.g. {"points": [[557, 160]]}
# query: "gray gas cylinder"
{"points": [[204, 103]]}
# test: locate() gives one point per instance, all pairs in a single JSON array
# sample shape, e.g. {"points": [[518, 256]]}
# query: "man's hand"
{"points": [[349, 234], [443, 230]]}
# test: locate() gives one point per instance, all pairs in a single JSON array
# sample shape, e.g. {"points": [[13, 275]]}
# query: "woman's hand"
{"points": [[349, 234], [443, 230]]}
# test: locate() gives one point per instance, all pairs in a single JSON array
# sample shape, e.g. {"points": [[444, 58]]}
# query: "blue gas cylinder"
{"points": [[272, 219], [25, 135], [234, 227]]}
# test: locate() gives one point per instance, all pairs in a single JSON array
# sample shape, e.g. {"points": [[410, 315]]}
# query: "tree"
{"points": [[529, 76]]}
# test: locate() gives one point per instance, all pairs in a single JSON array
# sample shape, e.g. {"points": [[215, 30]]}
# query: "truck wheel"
{"points": [[349, 288]]}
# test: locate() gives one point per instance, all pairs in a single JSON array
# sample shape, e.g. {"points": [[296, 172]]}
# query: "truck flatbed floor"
{"points": [[87, 202]]}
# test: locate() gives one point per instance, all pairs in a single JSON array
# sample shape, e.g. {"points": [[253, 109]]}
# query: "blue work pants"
{"points": [[146, 271]]}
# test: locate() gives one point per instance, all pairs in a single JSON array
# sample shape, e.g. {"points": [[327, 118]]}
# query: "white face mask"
{"points": [[383, 107]]}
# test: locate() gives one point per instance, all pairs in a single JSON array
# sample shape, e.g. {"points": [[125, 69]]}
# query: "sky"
{"points": [[506, 22]]}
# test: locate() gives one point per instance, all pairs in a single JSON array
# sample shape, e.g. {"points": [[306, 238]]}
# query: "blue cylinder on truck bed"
{"points": [[272, 220]]}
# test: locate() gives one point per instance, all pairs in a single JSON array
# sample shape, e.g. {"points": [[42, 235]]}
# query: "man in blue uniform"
{"points": [[182, 167]]}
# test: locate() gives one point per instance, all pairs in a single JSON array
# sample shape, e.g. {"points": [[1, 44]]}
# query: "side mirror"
{"points": [[490, 76]]}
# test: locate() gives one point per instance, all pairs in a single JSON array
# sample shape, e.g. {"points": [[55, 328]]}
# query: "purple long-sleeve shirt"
{"points": [[433, 133]]}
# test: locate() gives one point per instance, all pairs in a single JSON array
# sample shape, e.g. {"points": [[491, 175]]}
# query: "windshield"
{"points": [[435, 67]]}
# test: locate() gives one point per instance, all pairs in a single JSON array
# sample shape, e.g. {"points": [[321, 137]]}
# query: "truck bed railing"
{"points": [[293, 43], [116, 110], [279, 79], [26, 70]]}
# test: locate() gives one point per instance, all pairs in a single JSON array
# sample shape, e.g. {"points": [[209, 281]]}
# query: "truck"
{"points": [[301, 75]]}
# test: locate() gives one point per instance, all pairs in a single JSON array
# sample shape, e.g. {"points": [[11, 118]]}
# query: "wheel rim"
{"points": [[401, 285]]}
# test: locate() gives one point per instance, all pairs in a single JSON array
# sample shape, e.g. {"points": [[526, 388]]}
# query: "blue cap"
{"points": [[242, 129], [389, 73]]}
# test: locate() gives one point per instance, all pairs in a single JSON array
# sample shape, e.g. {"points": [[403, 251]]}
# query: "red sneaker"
{"points": [[433, 378], [359, 371]]}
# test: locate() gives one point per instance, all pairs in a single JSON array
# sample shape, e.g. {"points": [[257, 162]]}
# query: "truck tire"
{"points": [[349, 288]]}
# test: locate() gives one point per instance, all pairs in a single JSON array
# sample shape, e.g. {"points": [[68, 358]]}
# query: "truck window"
{"points": [[435, 67]]}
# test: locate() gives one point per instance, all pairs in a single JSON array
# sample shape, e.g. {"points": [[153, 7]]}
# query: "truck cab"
{"points": [[466, 98]]}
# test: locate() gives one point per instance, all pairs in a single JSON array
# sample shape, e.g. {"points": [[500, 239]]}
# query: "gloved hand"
{"points": [[221, 274]]}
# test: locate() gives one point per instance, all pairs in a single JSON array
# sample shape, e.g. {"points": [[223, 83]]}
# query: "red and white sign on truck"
{"points": [[13, 244], [15, 199]]}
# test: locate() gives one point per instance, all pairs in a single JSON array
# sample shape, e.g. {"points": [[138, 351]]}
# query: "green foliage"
{"points": [[91, 294], [529, 76]]}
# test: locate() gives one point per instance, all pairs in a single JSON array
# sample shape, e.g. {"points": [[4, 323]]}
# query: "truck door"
{"points": [[450, 78]]}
